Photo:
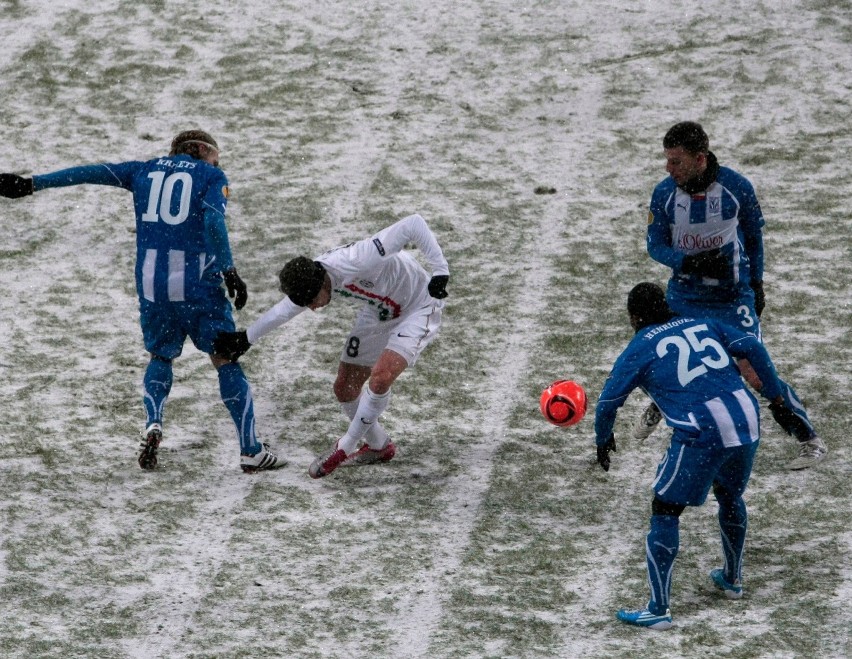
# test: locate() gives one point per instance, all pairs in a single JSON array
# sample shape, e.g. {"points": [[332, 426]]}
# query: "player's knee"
{"points": [[165, 360], [723, 495], [342, 391], [379, 386], [219, 361], [660, 507], [347, 389], [380, 382]]}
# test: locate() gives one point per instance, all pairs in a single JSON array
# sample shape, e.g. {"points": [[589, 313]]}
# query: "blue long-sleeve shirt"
{"points": [[688, 368], [728, 216], [182, 241]]}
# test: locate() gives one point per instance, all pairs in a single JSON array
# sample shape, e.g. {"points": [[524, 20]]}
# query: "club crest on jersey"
{"points": [[715, 205], [379, 246], [225, 191], [366, 283]]}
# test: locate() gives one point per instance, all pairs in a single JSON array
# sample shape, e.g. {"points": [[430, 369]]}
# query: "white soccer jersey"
{"points": [[374, 272]]}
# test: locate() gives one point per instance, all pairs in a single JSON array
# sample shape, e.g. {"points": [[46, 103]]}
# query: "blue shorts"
{"points": [[688, 471], [165, 325]]}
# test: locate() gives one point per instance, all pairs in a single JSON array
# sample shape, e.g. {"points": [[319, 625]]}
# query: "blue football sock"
{"points": [[157, 384], [661, 548], [236, 394], [733, 523], [792, 401]]}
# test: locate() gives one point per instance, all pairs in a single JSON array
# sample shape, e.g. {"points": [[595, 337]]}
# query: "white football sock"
{"points": [[376, 437], [370, 408], [350, 407]]}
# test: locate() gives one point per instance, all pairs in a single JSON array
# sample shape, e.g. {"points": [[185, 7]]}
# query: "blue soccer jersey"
{"points": [[688, 368], [727, 216], [181, 239]]}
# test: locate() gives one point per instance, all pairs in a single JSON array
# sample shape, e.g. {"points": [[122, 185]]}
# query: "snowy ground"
{"points": [[491, 534]]}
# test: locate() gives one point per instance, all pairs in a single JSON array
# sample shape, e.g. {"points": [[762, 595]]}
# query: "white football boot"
{"points": [[811, 453], [647, 423]]}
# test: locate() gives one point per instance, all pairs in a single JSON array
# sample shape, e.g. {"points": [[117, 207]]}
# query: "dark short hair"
{"points": [[689, 135], [301, 280], [189, 141], [647, 302]]}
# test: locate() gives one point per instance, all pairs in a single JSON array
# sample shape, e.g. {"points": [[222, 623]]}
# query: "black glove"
{"points": [[236, 287], [603, 452], [231, 344], [438, 286], [759, 296], [791, 422], [14, 186], [711, 263]]}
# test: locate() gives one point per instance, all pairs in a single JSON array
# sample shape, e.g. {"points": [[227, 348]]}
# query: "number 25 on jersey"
{"points": [[690, 344]]}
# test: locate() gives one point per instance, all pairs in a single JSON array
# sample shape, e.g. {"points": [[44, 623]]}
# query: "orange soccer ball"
{"points": [[563, 403]]}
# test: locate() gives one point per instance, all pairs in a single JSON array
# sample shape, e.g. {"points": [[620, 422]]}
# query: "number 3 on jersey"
{"points": [[685, 348], [162, 195], [744, 313]]}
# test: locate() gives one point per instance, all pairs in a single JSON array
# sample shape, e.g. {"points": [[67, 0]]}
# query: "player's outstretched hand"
{"points": [[711, 263], [438, 286], [14, 186], [231, 345], [236, 288], [603, 452], [791, 422]]}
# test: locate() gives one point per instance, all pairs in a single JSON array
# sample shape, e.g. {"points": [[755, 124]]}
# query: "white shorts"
{"points": [[407, 336]]}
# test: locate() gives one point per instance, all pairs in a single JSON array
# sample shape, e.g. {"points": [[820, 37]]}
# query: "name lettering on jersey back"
{"points": [[650, 334], [176, 164]]}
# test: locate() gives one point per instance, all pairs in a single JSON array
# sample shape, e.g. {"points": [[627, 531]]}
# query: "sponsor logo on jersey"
{"points": [[379, 246], [386, 307], [690, 241]]}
